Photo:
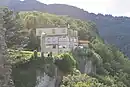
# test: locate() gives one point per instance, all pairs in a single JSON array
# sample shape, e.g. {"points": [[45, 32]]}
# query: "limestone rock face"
{"points": [[43, 80], [82, 63], [88, 67], [5, 67]]}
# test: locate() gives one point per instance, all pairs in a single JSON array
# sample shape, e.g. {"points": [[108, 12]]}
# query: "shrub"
{"points": [[81, 80], [65, 63]]}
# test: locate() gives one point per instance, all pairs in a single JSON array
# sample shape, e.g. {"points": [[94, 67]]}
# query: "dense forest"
{"points": [[110, 66], [114, 30]]}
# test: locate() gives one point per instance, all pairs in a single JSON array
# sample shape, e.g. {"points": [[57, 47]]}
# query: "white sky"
{"points": [[114, 7]]}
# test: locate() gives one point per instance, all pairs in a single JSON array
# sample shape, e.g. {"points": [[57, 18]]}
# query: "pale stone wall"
{"points": [[82, 63], [90, 68], [43, 80]]}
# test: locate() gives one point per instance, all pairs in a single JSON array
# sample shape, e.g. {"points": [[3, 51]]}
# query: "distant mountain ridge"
{"points": [[115, 30]]}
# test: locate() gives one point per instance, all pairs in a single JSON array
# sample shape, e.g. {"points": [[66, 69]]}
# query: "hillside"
{"points": [[108, 68], [115, 30]]}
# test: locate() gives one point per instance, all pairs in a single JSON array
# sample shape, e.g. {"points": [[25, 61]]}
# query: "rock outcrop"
{"points": [[90, 68], [43, 80]]}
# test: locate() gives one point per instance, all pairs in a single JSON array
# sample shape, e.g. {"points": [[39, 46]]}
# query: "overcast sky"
{"points": [[114, 7]]}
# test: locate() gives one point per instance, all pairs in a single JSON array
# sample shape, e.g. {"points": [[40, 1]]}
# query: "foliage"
{"points": [[24, 76], [94, 57], [22, 27], [25, 65], [82, 55], [22, 66], [87, 29], [30, 21], [112, 79], [114, 63], [81, 80], [65, 62], [33, 42], [20, 56], [13, 27], [112, 66], [113, 29], [80, 52]]}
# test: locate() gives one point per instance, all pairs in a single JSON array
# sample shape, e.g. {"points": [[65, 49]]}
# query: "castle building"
{"points": [[59, 39]]}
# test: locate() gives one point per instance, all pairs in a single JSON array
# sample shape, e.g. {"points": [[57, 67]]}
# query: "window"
{"points": [[54, 46], [48, 46], [48, 40], [63, 31], [53, 31], [40, 32]]}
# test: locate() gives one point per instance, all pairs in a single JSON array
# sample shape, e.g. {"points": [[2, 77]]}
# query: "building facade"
{"points": [[59, 40]]}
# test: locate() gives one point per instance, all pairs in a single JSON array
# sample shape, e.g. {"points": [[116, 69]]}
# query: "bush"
{"points": [[65, 63], [81, 80]]}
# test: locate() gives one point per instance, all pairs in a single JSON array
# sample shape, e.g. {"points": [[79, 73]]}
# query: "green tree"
{"points": [[31, 24], [30, 21], [66, 63], [13, 26], [5, 66]]}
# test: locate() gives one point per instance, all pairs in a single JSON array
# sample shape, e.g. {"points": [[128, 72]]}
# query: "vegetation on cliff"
{"points": [[112, 67]]}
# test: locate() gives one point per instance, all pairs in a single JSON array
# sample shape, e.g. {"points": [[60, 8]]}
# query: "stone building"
{"points": [[58, 40]]}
